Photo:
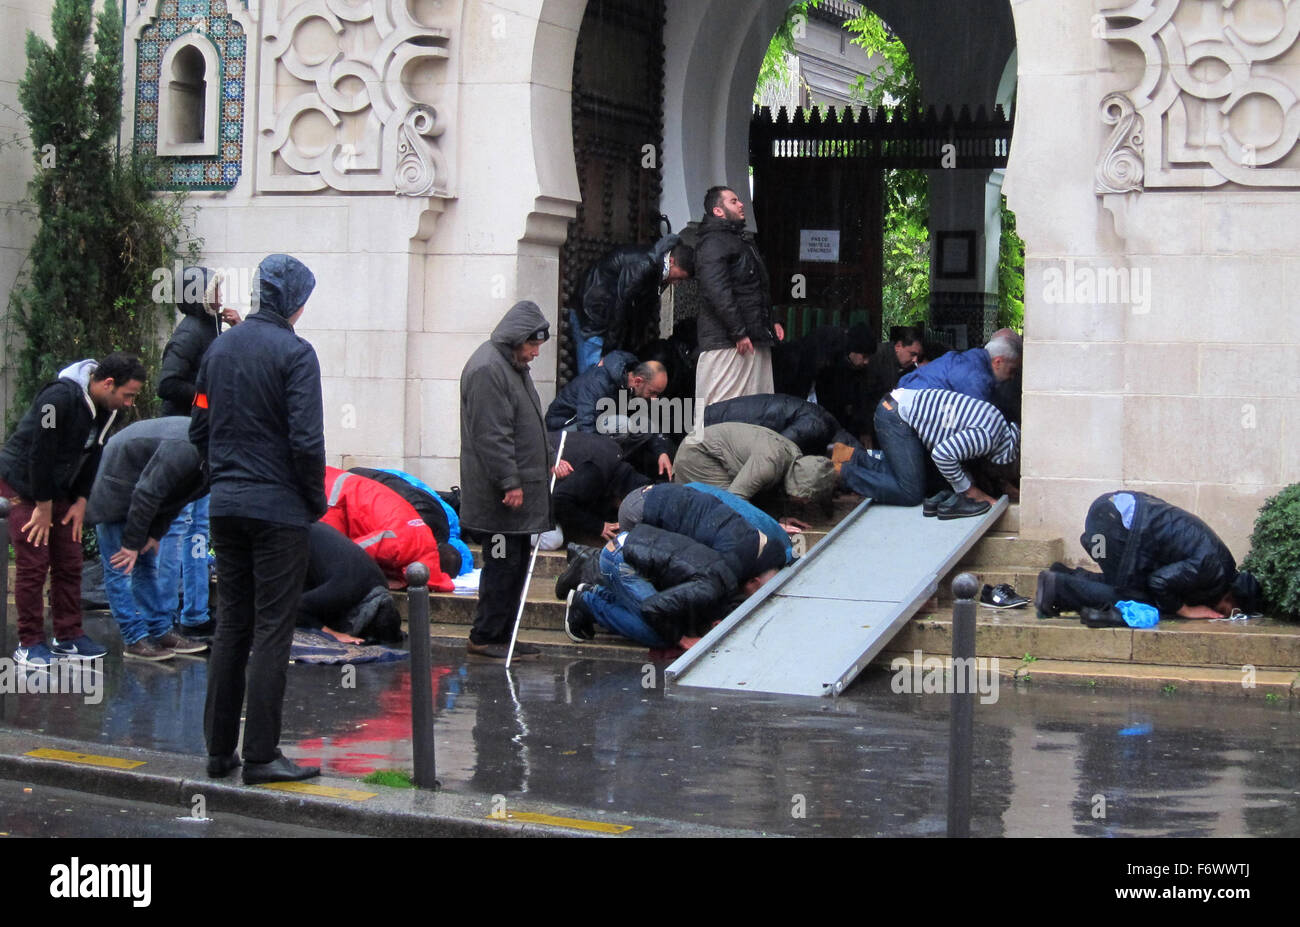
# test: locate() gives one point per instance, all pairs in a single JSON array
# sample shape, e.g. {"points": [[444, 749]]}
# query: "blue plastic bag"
{"points": [[1138, 614]]}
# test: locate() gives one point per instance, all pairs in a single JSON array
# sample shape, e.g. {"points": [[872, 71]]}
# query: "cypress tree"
{"points": [[102, 228]]}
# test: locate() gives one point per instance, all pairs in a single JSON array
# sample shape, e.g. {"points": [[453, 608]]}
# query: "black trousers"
{"points": [[505, 567], [260, 571]]}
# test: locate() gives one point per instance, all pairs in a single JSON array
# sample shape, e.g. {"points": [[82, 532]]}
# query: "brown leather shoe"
{"points": [[145, 649], [174, 642]]}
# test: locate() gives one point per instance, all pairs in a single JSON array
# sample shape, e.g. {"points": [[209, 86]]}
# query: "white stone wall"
{"points": [[1188, 387]]}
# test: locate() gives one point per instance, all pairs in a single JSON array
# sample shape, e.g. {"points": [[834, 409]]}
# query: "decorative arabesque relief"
{"points": [[1217, 101], [336, 107]]}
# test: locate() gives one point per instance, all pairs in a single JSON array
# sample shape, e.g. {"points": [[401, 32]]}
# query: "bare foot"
{"points": [[344, 638]]}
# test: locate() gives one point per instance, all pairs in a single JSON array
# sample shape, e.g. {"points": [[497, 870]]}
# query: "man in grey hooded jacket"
{"points": [[504, 463]]}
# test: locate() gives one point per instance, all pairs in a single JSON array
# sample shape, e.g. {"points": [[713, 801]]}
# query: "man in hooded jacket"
{"points": [[183, 553], [504, 462], [258, 421]]}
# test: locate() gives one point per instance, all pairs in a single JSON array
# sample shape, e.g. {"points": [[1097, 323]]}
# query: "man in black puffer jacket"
{"points": [[620, 296], [258, 421], [805, 423], [1149, 551], [736, 328], [674, 570]]}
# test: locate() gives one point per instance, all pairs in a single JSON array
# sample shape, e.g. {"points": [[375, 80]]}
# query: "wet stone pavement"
{"points": [[601, 734]]}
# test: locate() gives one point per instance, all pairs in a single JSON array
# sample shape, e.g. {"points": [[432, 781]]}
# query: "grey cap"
{"points": [[629, 512], [810, 477]]}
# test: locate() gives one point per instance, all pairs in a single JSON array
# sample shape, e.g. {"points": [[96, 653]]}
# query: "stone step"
{"points": [[1262, 643], [1000, 548], [1271, 685]]}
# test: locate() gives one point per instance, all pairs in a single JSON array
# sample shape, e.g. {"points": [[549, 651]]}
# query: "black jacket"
{"points": [[599, 481], [805, 423], [257, 415], [694, 584], [620, 295], [54, 452], [576, 403], [734, 283], [710, 521], [1169, 552], [183, 354], [149, 472]]}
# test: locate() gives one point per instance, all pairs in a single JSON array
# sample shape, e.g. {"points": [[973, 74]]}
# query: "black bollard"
{"points": [[962, 705], [4, 576], [417, 598]]}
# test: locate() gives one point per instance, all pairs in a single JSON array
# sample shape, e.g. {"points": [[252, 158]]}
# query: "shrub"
{"points": [[1274, 557]]}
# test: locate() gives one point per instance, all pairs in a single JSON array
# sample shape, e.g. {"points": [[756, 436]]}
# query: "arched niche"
{"points": [[189, 97]]}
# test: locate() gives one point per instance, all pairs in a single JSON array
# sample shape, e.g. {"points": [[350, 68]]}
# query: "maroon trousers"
{"points": [[59, 558]]}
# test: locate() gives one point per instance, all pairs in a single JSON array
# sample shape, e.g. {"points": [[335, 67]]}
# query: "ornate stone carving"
{"points": [[1120, 168], [340, 105], [1217, 96]]}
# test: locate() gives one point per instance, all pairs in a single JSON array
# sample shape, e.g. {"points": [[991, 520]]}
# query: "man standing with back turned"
{"points": [[258, 421]]}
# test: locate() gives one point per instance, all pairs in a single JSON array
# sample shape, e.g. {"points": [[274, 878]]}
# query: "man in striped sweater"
{"points": [[950, 428]]}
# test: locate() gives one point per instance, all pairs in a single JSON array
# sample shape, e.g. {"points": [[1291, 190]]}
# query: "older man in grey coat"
{"points": [[504, 464]]}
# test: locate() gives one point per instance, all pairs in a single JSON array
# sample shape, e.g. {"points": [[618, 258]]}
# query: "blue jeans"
{"points": [[183, 563], [589, 347], [899, 479], [616, 604], [139, 609]]}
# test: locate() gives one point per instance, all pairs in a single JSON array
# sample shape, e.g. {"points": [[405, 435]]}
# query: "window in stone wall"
{"points": [[188, 101]]}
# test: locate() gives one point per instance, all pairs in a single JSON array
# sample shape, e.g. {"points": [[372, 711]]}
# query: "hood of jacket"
{"points": [[281, 286], [80, 372], [712, 224], [205, 306], [664, 245], [522, 323]]}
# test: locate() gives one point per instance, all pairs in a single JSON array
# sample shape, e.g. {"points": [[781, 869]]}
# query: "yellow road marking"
{"points": [[325, 791], [86, 759], [528, 817]]}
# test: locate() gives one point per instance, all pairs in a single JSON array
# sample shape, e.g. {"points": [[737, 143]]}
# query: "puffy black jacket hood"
{"points": [[281, 286]]}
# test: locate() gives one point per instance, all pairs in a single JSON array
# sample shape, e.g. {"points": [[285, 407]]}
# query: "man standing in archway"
{"points": [[736, 330]]}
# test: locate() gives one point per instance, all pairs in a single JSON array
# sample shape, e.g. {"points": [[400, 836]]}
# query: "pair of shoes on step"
{"points": [[946, 505], [157, 649]]}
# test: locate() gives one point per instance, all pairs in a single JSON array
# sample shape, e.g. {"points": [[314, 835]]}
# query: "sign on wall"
{"points": [[819, 245]]}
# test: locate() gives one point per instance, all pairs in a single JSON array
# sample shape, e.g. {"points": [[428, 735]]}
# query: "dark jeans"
{"points": [[899, 479], [59, 558], [499, 587], [260, 570]]}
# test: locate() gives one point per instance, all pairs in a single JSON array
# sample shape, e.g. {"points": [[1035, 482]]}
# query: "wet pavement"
{"points": [[601, 734], [29, 809]]}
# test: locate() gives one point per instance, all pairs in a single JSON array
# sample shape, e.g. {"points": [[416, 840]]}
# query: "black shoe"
{"points": [[1001, 596], [501, 651], [221, 766], [584, 567], [961, 506], [199, 632], [1108, 617], [930, 507], [1045, 594], [280, 769], [578, 623]]}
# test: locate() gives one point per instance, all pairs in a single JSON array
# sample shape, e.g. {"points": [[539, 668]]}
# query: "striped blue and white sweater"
{"points": [[955, 428]]}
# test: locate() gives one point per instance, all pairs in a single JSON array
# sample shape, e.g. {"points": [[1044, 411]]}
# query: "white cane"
{"points": [[532, 561]]}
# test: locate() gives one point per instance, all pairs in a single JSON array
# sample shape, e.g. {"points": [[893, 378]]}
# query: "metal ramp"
{"points": [[815, 626]]}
